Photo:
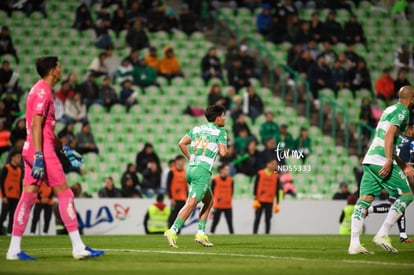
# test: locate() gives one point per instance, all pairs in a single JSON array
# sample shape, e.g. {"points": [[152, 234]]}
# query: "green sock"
{"points": [[201, 226], [178, 224]]}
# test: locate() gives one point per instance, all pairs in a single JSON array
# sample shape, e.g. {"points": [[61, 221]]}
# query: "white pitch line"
{"points": [[256, 256]]}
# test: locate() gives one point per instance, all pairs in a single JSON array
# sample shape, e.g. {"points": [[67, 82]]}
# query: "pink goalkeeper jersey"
{"points": [[40, 102]]}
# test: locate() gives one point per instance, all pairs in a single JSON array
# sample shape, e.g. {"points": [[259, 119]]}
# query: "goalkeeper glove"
{"points": [[276, 208], [74, 157], [256, 204], [38, 168]]}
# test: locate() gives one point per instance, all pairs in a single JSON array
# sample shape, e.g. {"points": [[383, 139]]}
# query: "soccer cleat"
{"points": [[358, 250], [87, 253], [203, 240], [385, 242], [405, 240], [172, 238], [20, 256]]}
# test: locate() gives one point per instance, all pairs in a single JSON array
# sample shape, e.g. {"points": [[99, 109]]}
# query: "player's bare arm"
{"points": [[222, 150], [388, 149], [186, 140], [37, 129]]}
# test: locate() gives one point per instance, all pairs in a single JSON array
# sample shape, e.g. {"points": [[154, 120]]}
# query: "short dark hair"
{"points": [[45, 64], [160, 197], [223, 165], [214, 111]]}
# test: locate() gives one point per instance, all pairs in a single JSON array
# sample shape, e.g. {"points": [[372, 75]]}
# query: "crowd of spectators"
{"points": [[311, 55]]}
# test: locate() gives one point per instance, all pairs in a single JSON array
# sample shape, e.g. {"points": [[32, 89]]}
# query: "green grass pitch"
{"points": [[232, 254]]}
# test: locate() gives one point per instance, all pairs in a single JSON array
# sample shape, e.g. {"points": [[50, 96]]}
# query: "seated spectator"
{"points": [[124, 71], [73, 81], [316, 27], [232, 51], [119, 21], [384, 86], [264, 20], [211, 66], [400, 9], [107, 93], [240, 124], [83, 18], [248, 162], [353, 31], [103, 24], [146, 155], [305, 33], [339, 77], [128, 95], [4, 138], [135, 10], [255, 104], [230, 158], [332, 29], [98, 67], [286, 182], [156, 17], [241, 140], [65, 92], [69, 132], [136, 37], [133, 57], [293, 29], [329, 54], [285, 139], [19, 131], [130, 186], [90, 91], [400, 81], [269, 128], [313, 49], [268, 152], [320, 77], [75, 110], [86, 141], [109, 190], [345, 63], [152, 59], [236, 75], [6, 44], [31, 6], [303, 144], [304, 62], [11, 105], [215, 95], [5, 116], [248, 64], [351, 54], [171, 22], [144, 76], [8, 79], [151, 181], [403, 59], [188, 20], [293, 54], [169, 65], [343, 192]]}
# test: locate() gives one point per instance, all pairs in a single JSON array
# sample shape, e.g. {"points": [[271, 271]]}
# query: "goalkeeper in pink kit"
{"points": [[42, 163]]}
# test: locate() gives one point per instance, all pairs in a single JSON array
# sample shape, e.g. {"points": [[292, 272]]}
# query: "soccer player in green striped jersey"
{"points": [[383, 169], [206, 141]]}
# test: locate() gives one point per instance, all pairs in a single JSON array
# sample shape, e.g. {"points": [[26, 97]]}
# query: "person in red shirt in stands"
{"points": [[385, 86]]}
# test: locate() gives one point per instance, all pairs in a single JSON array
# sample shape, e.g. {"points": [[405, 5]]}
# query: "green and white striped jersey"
{"points": [[204, 144], [396, 114]]}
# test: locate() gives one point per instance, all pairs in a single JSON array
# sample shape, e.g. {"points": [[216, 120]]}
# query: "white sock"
{"points": [[200, 232], [392, 217], [356, 227], [77, 243], [15, 243], [404, 235]]}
